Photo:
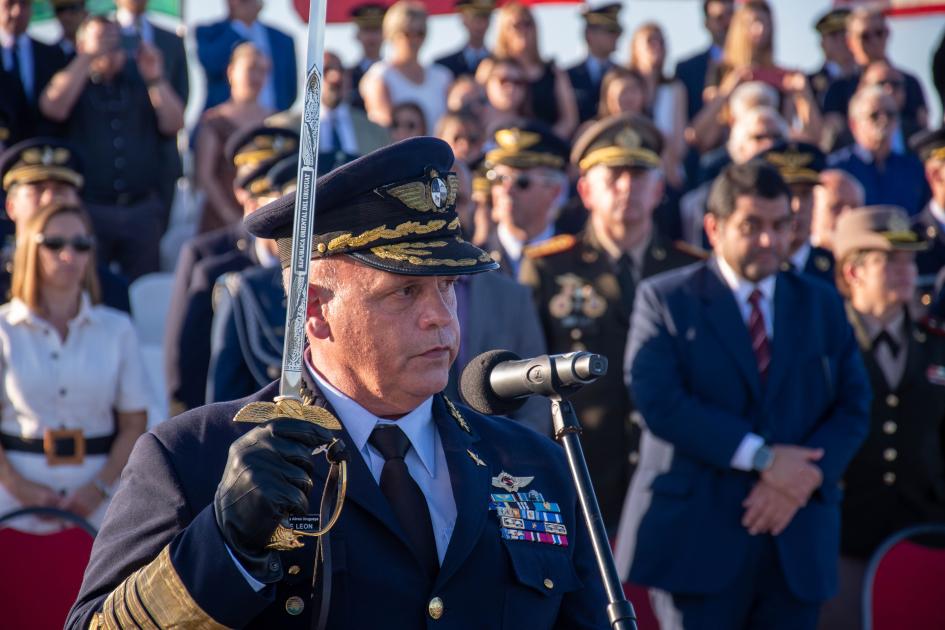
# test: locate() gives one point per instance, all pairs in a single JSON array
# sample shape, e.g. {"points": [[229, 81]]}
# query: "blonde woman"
{"points": [[73, 395], [401, 78], [552, 97]]}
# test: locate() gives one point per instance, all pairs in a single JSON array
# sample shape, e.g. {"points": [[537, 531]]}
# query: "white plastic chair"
{"points": [[152, 355], [150, 295]]}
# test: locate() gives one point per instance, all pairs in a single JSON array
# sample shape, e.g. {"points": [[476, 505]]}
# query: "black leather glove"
{"points": [[268, 477]]}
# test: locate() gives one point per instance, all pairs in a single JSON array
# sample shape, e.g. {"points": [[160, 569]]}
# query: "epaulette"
{"points": [[933, 326], [553, 245], [691, 250]]}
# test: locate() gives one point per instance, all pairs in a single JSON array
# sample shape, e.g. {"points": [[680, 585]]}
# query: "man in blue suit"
{"points": [[692, 70], [452, 519], [215, 44], [601, 31], [754, 378], [475, 15]]}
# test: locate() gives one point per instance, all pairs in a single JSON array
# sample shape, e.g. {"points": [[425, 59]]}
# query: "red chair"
{"points": [[41, 574], [905, 581]]}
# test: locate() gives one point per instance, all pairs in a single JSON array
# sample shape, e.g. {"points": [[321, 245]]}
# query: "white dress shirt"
{"points": [[938, 212], [426, 459], [742, 289], [24, 51], [257, 35], [799, 258]]}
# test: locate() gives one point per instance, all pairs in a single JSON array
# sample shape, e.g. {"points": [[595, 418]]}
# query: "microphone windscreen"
{"points": [[476, 390]]}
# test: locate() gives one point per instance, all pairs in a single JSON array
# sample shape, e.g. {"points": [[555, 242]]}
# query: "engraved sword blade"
{"points": [[290, 384]]}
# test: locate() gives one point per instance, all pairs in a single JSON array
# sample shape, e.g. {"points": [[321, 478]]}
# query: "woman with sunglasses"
{"points": [[507, 92], [73, 395], [401, 77], [552, 96]]}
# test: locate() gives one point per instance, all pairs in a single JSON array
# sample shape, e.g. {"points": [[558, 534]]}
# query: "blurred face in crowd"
{"points": [[601, 41], [15, 16], [755, 238], [464, 138], [24, 200], [802, 205], [718, 16], [879, 280], [935, 176], [476, 23], [522, 35], [891, 80], [523, 200], [334, 81], [64, 252], [371, 40], [873, 121], [247, 74], [408, 42], [70, 16], [507, 88], [137, 7], [625, 94], [621, 200], [101, 40], [866, 38], [407, 122], [649, 50], [834, 195], [751, 135], [386, 340], [835, 48], [245, 11], [466, 95]]}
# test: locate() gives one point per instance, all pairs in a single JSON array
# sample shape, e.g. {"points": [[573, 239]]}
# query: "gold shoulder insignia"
{"points": [[553, 245], [691, 250]]}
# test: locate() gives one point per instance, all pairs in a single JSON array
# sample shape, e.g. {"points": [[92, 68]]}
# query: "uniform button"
{"points": [[273, 372], [119, 184], [576, 334], [118, 142], [892, 400], [295, 569], [119, 162], [889, 478], [890, 427], [294, 605], [634, 458], [926, 299], [890, 454], [54, 356], [636, 418], [116, 124], [435, 608], [549, 584], [62, 391]]}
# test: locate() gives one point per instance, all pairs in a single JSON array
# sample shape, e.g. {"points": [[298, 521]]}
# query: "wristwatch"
{"points": [[763, 458]]}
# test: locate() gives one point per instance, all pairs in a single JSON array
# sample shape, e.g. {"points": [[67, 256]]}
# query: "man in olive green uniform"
{"points": [[897, 479], [584, 285]]}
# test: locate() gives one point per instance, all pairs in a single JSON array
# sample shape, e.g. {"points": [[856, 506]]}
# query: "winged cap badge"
{"points": [[510, 483]]}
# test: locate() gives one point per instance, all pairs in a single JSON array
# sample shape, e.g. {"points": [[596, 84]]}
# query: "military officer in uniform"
{"points": [[897, 479], [476, 15], [584, 285], [452, 519], [838, 61], [602, 30], [800, 165], [36, 173], [528, 185], [930, 222], [368, 18], [253, 152]]}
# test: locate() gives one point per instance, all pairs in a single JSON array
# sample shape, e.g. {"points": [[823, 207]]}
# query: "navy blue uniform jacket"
{"points": [[166, 498], [694, 377]]}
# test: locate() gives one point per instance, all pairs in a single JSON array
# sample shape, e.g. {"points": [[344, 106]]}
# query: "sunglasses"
{"points": [[79, 244], [409, 125], [521, 181], [773, 137], [896, 84], [883, 113], [879, 33]]}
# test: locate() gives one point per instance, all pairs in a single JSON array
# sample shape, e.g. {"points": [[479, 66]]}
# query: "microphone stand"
{"points": [[567, 429]]}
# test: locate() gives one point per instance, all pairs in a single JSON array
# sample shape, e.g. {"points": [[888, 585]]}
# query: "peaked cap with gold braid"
{"points": [[393, 209], [39, 160], [929, 144], [603, 15], [621, 140], [527, 144], [797, 162]]}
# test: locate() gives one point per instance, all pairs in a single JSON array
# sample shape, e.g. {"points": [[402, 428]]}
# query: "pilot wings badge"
{"points": [[510, 483]]}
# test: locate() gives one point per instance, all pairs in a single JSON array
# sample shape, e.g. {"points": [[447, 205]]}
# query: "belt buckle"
{"points": [[53, 458]]}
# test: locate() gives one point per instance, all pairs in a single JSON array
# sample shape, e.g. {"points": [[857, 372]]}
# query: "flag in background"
{"points": [[42, 9], [339, 10]]}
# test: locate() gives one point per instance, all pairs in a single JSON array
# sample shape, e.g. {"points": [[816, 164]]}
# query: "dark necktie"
{"points": [[885, 338], [627, 282], [403, 493], [759, 335]]}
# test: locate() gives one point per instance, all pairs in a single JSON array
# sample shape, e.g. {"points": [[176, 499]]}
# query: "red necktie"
{"points": [[759, 336]]}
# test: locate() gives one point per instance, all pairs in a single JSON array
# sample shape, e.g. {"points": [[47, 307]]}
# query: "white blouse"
{"points": [[74, 384], [429, 95]]}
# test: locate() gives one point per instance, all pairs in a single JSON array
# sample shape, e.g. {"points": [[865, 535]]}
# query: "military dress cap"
{"points": [[369, 15], [605, 15], [627, 140], [254, 179], [41, 159], [255, 145], [929, 144], [475, 7], [283, 174], [527, 143], [832, 21], [393, 209], [797, 162], [884, 228]]}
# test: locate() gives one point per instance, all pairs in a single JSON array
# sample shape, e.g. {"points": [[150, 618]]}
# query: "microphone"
{"points": [[499, 382]]}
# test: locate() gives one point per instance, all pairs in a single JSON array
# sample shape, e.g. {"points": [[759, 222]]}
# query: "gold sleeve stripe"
{"points": [[153, 597]]}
